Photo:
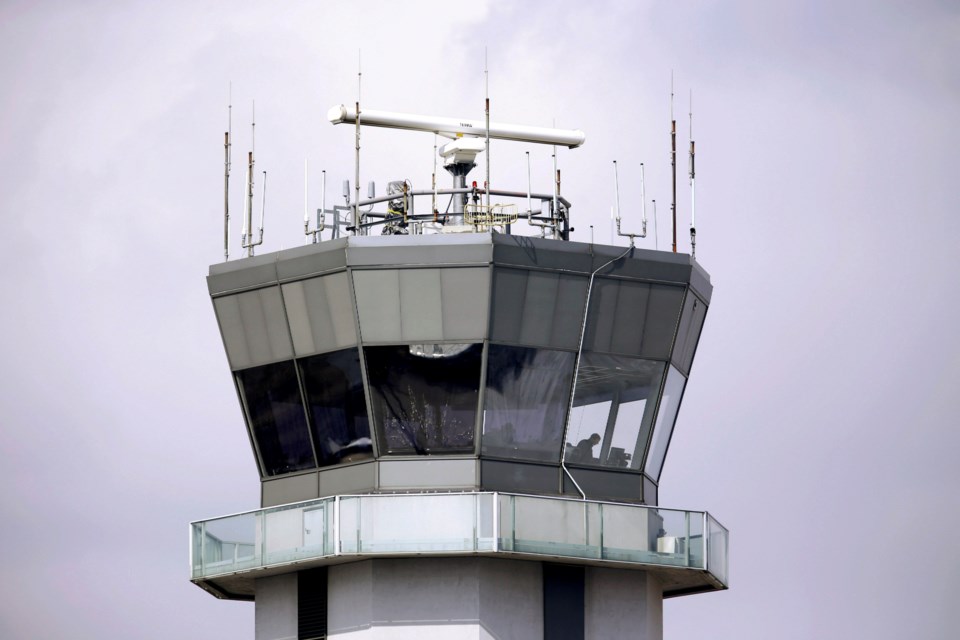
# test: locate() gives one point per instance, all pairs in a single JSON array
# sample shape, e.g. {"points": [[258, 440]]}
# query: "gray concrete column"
{"points": [[276, 607], [622, 604]]}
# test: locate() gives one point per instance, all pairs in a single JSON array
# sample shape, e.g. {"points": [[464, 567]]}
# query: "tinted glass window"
{"points": [[525, 403], [612, 410], [666, 416], [338, 410], [276, 417], [425, 396]]}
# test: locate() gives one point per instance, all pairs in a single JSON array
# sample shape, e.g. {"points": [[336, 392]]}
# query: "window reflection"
{"points": [[526, 399], [276, 417], [612, 410], [425, 399], [666, 417], [338, 410]]}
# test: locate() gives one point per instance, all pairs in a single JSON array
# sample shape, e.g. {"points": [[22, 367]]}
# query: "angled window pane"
{"points": [[612, 410], [425, 396], [337, 407], [276, 417], [525, 403], [666, 416]]}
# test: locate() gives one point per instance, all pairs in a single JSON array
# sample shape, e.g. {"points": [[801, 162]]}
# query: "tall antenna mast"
{"points": [[253, 148], [486, 85], [322, 214], [226, 176], [356, 199], [693, 190], [673, 164], [263, 206], [246, 237]]}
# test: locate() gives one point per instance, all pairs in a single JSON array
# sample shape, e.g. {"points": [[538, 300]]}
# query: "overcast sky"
{"points": [[820, 423]]}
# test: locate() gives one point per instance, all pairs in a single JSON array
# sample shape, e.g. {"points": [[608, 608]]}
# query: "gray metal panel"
{"points": [[539, 302], [525, 251], [607, 485], [663, 314], [421, 313], [320, 311], [420, 250], [659, 266], [496, 475], [378, 304], [568, 316], [509, 292], [287, 489], [650, 491], [254, 327], [428, 474], [343, 318], [603, 308], [537, 308], [465, 300], [312, 259], [633, 318], [700, 282], [688, 333], [241, 274], [632, 300], [356, 478], [275, 607]]}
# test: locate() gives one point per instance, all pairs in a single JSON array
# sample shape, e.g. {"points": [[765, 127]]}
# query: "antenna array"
{"points": [[558, 207]]}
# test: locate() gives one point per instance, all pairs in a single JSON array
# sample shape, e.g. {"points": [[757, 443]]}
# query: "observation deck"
{"points": [[685, 550]]}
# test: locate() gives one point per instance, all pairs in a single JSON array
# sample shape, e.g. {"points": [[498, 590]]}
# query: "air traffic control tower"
{"points": [[459, 432]]}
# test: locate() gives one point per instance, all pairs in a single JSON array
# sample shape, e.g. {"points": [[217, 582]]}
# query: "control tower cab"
{"points": [[459, 431]]}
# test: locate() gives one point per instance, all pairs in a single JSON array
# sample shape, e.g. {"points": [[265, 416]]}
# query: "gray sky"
{"points": [[820, 423]]}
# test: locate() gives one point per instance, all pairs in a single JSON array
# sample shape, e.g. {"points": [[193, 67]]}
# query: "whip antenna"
{"points": [[673, 164], [356, 201], [306, 203], [693, 190], [632, 236], [226, 176], [486, 85]]}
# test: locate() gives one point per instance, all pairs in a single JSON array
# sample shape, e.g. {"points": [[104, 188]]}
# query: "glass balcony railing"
{"points": [[458, 524]]}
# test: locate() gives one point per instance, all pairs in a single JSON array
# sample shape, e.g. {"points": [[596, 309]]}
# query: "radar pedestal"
{"points": [[460, 436], [459, 159]]}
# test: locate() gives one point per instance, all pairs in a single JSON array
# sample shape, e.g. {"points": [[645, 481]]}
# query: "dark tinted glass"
{"points": [[338, 410], [666, 417], [424, 397], [276, 417], [612, 410], [526, 399]]}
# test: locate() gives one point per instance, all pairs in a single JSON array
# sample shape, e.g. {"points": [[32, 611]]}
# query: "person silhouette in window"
{"points": [[583, 452]]}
